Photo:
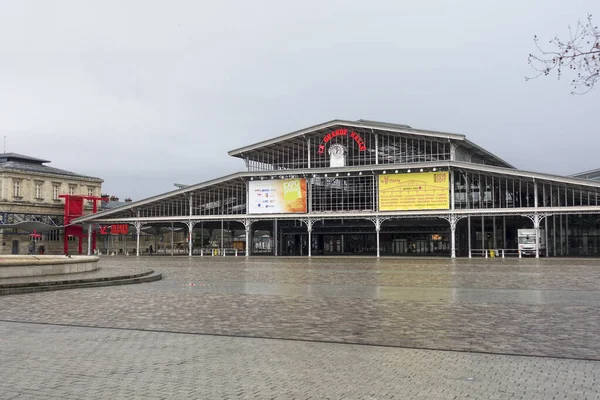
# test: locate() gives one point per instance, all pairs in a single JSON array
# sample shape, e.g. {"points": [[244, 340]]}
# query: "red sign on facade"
{"points": [[117, 229], [342, 132]]}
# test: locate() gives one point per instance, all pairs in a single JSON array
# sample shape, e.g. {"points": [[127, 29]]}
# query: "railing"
{"points": [[491, 253], [218, 252], [198, 252]]}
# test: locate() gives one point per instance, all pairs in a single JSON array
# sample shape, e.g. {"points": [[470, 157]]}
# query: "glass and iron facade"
{"points": [[366, 187]]}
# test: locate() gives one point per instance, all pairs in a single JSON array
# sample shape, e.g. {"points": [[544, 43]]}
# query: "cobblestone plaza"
{"points": [[220, 327]]}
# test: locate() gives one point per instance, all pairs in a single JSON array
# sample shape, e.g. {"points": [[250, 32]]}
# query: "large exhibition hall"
{"points": [[367, 188]]}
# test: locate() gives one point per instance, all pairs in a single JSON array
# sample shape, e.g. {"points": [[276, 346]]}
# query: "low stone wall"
{"points": [[15, 266]]}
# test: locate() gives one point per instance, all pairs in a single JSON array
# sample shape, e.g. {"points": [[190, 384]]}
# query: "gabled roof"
{"points": [[367, 124], [357, 124]]}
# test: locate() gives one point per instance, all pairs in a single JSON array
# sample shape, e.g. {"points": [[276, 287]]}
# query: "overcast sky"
{"points": [[147, 93]]}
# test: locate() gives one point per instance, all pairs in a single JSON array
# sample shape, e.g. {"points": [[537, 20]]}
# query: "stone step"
{"points": [[33, 282], [146, 276]]}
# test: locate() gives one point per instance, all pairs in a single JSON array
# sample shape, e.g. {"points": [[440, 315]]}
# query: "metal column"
{"points": [[172, 238], [377, 229], [190, 237], [453, 220], [248, 238], [309, 225], [536, 227], [138, 228], [469, 233], [89, 243]]}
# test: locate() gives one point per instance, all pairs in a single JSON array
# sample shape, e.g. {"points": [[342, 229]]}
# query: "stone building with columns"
{"points": [[30, 203], [370, 188]]}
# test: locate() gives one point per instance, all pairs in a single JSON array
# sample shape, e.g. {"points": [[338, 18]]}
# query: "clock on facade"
{"points": [[337, 155]]}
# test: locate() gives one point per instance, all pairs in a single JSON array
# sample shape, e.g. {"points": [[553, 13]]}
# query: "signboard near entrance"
{"points": [[277, 196], [416, 191], [118, 229]]}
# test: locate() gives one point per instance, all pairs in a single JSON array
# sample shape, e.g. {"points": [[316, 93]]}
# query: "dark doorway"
{"points": [[15, 247]]}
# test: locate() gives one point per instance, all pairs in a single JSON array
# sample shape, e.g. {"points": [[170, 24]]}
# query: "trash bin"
{"points": [[492, 254]]}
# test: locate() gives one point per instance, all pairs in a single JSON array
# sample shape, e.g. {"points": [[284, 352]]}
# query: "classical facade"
{"points": [[30, 203], [367, 187]]}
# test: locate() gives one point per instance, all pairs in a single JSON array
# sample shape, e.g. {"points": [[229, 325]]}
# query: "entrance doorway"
{"points": [[15, 247], [295, 245]]}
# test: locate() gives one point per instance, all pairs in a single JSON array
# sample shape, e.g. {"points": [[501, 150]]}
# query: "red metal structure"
{"points": [[74, 209]]}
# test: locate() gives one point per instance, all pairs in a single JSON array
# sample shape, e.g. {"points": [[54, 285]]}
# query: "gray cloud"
{"points": [[147, 93]]}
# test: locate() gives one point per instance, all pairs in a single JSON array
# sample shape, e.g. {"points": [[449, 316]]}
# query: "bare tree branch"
{"points": [[580, 54]]}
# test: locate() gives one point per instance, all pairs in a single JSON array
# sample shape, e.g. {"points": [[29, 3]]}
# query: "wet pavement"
{"points": [[451, 295], [169, 339], [522, 307], [62, 362]]}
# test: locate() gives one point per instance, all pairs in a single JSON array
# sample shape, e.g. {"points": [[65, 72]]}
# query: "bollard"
{"points": [[485, 253], [236, 252], [469, 253], [519, 253], [502, 253]]}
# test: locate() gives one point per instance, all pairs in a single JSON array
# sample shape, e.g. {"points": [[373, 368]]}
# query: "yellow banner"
{"points": [[416, 191]]}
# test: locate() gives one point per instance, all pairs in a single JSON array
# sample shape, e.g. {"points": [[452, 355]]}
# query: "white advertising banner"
{"points": [[283, 196]]}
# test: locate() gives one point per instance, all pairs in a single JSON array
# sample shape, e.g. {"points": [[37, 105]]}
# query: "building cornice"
{"points": [[50, 176]]}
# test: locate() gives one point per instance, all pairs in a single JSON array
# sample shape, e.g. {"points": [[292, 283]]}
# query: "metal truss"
{"points": [[7, 218], [364, 216]]}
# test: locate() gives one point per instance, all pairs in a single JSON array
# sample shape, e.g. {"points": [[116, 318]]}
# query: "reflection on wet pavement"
{"points": [[451, 295], [546, 307]]}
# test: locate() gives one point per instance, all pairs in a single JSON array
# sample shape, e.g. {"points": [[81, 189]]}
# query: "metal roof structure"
{"points": [[217, 183], [348, 183], [266, 145]]}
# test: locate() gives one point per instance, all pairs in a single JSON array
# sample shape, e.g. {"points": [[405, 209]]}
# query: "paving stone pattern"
{"points": [[55, 362], [556, 330], [534, 308]]}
